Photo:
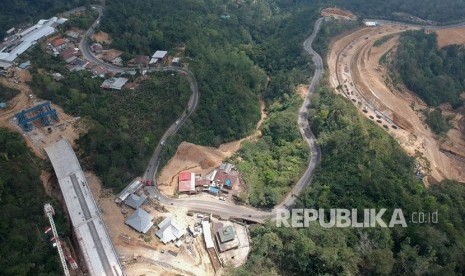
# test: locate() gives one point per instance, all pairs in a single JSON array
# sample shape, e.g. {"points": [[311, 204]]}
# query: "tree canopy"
{"points": [[24, 249], [436, 75]]}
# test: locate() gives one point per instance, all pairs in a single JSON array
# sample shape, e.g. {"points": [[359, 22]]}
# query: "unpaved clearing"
{"points": [[200, 159], [451, 36], [68, 127], [142, 253], [302, 90], [338, 14], [354, 64], [102, 37]]}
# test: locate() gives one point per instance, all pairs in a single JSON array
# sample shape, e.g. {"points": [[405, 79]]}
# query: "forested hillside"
{"points": [[7, 93], [363, 167], [438, 11], [29, 11], [229, 46], [436, 75], [123, 126], [24, 249]]}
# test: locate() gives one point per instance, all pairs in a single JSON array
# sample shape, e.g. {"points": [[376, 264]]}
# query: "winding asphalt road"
{"points": [[208, 204]]}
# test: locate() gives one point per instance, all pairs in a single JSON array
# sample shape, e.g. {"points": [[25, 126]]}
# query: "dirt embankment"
{"points": [[102, 37], [68, 127], [201, 159], [451, 36], [354, 64], [338, 14]]}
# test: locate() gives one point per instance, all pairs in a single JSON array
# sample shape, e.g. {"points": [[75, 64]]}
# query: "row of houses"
{"points": [[223, 178]]}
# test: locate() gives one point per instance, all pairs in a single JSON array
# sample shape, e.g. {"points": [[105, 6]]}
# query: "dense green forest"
{"points": [[273, 163], [438, 11], [436, 121], [363, 167], [123, 126], [235, 58], [7, 93], [229, 46], [16, 12], [24, 249], [436, 75]]}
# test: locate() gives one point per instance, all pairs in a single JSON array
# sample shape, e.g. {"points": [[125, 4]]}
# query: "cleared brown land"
{"points": [[451, 36], [68, 127], [102, 37], [354, 64], [338, 13], [200, 159]]}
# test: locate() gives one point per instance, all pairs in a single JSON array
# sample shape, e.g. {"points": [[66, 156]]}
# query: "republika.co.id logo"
{"points": [[366, 218]]}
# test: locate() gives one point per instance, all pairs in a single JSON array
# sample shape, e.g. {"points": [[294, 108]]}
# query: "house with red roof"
{"points": [[59, 43], [186, 181]]}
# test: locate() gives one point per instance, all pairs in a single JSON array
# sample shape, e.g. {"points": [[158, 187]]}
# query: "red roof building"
{"points": [[186, 182], [68, 54], [184, 176], [58, 42]]}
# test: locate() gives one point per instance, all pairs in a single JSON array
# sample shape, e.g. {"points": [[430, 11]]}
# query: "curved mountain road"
{"points": [[210, 205]]}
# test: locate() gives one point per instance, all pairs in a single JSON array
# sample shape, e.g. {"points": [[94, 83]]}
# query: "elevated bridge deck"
{"points": [[91, 232]]}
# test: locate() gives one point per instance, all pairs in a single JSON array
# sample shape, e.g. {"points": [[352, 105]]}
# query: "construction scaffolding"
{"points": [[42, 112], [49, 212]]}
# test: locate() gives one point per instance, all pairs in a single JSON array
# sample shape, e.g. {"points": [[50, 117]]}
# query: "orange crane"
{"points": [[63, 251]]}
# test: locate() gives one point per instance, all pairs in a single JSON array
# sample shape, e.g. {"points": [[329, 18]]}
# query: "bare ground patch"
{"points": [[102, 37], [338, 13], [451, 36]]}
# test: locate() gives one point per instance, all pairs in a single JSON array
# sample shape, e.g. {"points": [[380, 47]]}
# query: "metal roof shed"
{"points": [[169, 231], [135, 201], [160, 54], [226, 233], [140, 220], [207, 234]]}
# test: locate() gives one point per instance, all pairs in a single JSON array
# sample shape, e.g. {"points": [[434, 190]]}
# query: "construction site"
{"points": [[357, 74], [182, 241]]}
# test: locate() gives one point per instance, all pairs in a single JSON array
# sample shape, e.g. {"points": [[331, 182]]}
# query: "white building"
{"points": [[169, 231], [26, 39], [371, 23]]}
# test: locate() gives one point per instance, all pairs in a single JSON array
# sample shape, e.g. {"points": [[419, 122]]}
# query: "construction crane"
{"points": [[49, 212]]}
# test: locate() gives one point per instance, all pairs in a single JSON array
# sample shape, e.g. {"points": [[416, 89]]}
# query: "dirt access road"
{"points": [[354, 66]]}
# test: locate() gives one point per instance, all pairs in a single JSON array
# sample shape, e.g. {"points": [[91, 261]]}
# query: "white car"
{"points": [[222, 198]]}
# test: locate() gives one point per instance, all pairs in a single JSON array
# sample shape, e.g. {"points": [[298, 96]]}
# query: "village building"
{"points": [[186, 182], [158, 57], [225, 236], [117, 61], [142, 61], [169, 231], [132, 187], [16, 44], [134, 201], [99, 70], [69, 55], [72, 34], [96, 48], [140, 220], [114, 83], [59, 43], [25, 65], [57, 76], [176, 61]]}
